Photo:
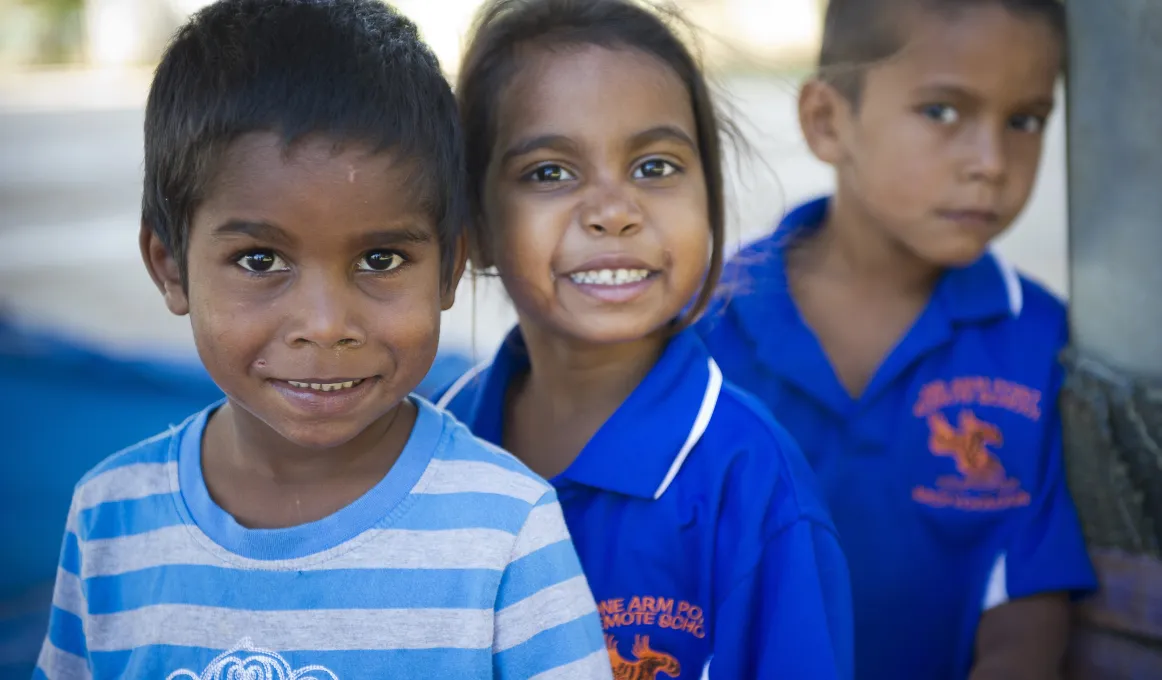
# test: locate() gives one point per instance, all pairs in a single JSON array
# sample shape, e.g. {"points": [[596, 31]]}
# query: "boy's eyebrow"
{"points": [[530, 144], [661, 133], [956, 91], [404, 234], [259, 231]]}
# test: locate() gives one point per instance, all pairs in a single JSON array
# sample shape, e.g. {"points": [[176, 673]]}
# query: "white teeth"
{"points": [[610, 277], [325, 387]]}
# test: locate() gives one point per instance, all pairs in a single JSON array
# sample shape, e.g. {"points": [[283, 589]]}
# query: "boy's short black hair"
{"points": [[353, 70], [503, 31], [860, 33]]}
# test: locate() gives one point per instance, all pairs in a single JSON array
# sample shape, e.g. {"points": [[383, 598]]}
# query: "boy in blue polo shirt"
{"points": [[916, 369], [303, 205], [594, 159]]}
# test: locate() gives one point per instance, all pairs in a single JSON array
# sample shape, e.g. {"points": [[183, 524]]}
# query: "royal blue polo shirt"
{"points": [[945, 476], [698, 525]]}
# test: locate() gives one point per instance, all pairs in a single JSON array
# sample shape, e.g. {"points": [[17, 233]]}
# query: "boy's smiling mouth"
{"points": [[325, 386], [328, 397]]}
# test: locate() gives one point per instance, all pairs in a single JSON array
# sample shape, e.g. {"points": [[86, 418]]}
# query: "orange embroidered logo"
{"points": [[647, 664], [968, 445], [982, 483]]}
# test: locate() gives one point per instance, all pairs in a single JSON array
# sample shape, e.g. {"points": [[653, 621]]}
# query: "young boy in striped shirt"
{"points": [[303, 204]]}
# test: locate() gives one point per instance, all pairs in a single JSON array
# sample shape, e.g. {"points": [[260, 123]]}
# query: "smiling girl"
{"points": [[594, 159]]}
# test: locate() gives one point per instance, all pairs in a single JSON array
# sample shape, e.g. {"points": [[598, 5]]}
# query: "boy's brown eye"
{"points": [[1031, 124], [941, 113], [261, 261]]}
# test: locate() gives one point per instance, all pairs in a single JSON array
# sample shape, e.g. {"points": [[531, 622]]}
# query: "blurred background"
{"points": [[74, 75], [91, 361]]}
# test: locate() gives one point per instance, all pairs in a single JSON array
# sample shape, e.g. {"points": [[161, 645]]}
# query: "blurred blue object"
{"points": [[449, 366], [64, 407]]}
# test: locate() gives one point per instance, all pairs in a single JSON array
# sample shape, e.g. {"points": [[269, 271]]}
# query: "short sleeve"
{"points": [[64, 654], [792, 616], [546, 624], [1048, 552]]}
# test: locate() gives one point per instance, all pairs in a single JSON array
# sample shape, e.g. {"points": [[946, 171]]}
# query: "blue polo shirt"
{"points": [[945, 476], [698, 525]]}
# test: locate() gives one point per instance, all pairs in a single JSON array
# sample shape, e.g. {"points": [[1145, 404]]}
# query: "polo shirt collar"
{"points": [[756, 287], [644, 444]]}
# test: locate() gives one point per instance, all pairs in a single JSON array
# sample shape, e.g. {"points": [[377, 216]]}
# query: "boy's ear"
{"points": [[448, 296], [163, 269], [823, 113]]}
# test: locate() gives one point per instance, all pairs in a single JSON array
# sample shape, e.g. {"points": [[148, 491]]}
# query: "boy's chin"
{"points": [[317, 432], [321, 437], [954, 255]]}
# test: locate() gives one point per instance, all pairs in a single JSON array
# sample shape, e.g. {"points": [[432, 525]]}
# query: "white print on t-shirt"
{"points": [[247, 662]]}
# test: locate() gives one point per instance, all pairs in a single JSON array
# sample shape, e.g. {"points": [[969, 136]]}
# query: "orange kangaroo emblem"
{"points": [[968, 445], [648, 664]]}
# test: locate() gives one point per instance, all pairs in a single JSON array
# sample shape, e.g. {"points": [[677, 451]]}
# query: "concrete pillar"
{"points": [[1112, 401], [1115, 182]]}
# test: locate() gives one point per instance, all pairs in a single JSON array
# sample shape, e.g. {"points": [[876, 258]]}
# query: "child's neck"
{"points": [[571, 389], [858, 291], [851, 248], [264, 481]]}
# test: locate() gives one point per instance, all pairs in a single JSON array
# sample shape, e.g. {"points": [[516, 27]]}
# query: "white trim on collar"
{"points": [[705, 412], [461, 382], [1012, 284]]}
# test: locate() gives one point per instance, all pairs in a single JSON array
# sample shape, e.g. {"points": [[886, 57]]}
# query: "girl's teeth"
{"points": [[610, 277], [325, 387]]}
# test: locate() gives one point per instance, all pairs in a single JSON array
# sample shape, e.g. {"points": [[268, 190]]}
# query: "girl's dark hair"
{"points": [[505, 29], [860, 33]]}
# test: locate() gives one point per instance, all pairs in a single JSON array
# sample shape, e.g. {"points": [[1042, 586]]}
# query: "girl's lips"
{"points": [[611, 261], [614, 292]]}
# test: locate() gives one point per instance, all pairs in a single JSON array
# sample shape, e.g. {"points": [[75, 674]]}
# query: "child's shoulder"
{"points": [[1038, 308], [760, 457], [145, 468], [464, 462]]}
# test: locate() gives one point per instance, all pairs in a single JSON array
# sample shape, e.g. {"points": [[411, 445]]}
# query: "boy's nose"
{"points": [[987, 156], [322, 315]]}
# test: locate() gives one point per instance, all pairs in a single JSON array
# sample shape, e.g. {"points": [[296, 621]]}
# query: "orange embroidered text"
{"points": [[978, 391], [663, 612]]}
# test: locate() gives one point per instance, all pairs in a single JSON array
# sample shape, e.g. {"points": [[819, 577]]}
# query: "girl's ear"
{"points": [[448, 297]]}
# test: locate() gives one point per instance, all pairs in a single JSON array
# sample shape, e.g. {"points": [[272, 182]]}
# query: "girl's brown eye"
{"points": [[550, 173], [654, 168], [381, 261]]}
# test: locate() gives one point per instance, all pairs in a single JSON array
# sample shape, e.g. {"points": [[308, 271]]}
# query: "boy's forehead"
{"points": [[986, 47], [315, 175]]}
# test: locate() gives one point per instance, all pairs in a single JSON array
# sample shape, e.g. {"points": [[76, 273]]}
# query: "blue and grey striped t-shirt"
{"points": [[456, 565]]}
